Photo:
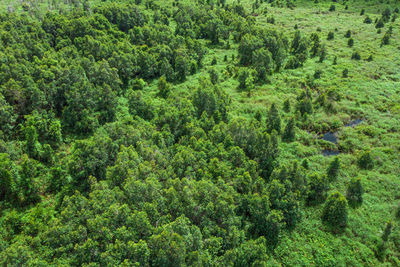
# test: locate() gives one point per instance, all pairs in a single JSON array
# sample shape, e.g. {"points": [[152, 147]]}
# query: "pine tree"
{"points": [[365, 161], [335, 211], [355, 192], [273, 120], [286, 106], [350, 42], [163, 87], [387, 231], [333, 169], [322, 54], [289, 133]]}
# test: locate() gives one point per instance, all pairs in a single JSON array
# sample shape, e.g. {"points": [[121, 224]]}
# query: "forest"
{"points": [[199, 133]]}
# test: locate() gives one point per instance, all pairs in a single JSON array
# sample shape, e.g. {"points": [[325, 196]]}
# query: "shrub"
{"points": [[362, 12], [347, 34], [214, 61], [379, 24], [317, 74], [365, 161], [350, 42], [316, 191], [385, 39], [286, 106], [289, 133], [335, 211], [370, 58], [368, 20], [356, 56], [397, 212], [355, 192], [332, 8], [331, 36], [333, 169], [387, 231], [345, 73]]}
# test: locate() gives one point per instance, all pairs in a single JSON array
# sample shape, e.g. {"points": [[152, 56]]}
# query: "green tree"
{"points": [[246, 79], [317, 187], [365, 161], [316, 45], [355, 192], [7, 182], [286, 106], [248, 45], [289, 134], [333, 169], [28, 191], [273, 119], [335, 211], [163, 87]]}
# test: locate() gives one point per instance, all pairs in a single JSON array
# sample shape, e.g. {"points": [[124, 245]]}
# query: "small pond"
{"points": [[333, 138]]}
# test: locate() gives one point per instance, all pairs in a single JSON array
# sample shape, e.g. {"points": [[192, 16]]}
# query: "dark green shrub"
{"points": [[333, 169], [331, 36], [335, 211], [347, 34], [387, 231], [379, 24], [356, 56], [332, 8], [317, 74], [289, 134], [365, 161], [368, 20], [355, 192], [334, 61], [350, 42], [345, 73]]}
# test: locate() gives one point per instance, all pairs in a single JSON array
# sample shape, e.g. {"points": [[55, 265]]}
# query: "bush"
{"points": [[379, 24], [317, 74], [335, 211], [397, 212], [333, 169], [347, 34], [355, 192], [368, 20], [356, 56], [332, 8], [365, 161], [317, 187], [350, 42], [385, 39], [387, 231], [362, 12], [345, 73], [331, 36], [370, 58], [289, 133]]}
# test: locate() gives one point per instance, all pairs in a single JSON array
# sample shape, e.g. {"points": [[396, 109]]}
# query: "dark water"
{"points": [[332, 137], [328, 152], [354, 123]]}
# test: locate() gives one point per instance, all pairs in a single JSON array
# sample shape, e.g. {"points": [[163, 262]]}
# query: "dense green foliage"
{"points": [[170, 133]]}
